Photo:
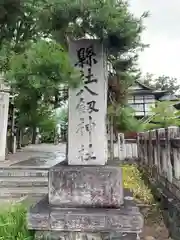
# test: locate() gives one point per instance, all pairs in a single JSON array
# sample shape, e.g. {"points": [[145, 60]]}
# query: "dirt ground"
{"points": [[154, 227]]}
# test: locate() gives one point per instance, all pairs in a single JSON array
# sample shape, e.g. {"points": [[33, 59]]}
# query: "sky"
{"points": [[163, 34]]}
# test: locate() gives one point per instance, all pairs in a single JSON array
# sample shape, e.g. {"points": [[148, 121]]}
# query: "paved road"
{"points": [[37, 155]]}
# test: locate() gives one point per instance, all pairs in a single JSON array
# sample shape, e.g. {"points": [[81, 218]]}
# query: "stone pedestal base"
{"points": [[86, 203], [82, 186], [126, 219], [48, 235]]}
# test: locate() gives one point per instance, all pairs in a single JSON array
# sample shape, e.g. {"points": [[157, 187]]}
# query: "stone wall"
{"points": [[159, 159]]}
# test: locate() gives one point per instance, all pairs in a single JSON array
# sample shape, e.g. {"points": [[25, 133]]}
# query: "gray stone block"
{"points": [[17, 172], [12, 182], [125, 219], [38, 216], [50, 235], [94, 220], [80, 186], [13, 192]]}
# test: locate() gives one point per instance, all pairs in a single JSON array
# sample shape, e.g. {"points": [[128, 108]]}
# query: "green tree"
{"points": [[18, 26], [35, 76], [40, 70], [47, 126], [125, 119], [163, 115], [164, 83], [9, 13], [109, 20]]}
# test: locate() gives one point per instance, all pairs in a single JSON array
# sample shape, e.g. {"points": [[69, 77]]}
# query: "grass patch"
{"points": [[13, 223], [132, 180]]}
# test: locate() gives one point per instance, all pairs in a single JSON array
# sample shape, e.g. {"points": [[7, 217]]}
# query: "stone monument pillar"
{"points": [[86, 198]]}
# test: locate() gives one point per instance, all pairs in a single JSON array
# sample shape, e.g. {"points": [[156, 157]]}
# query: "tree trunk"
{"points": [[34, 135], [19, 138], [12, 138]]}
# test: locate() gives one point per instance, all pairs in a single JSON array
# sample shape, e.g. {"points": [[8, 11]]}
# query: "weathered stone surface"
{"points": [[50, 235], [119, 236], [38, 217], [23, 182], [20, 172], [14, 191], [80, 186], [125, 219], [94, 219], [87, 141]]}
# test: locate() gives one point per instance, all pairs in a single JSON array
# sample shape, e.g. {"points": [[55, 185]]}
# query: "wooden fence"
{"points": [[159, 154], [161, 149], [159, 158], [125, 148]]}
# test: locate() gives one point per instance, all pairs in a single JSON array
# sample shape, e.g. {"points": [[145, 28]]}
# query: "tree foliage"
{"points": [[36, 75], [47, 126], [125, 120], [108, 20], [20, 23], [32, 64], [163, 115], [9, 13], [41, 69], [164, 83]]}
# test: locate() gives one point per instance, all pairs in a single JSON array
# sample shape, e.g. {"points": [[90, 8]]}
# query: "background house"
{"points": [[142, 98]]}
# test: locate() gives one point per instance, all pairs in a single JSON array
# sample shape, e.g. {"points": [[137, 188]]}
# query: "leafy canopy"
{"points": [[163, 115], [42, 67], [108, 20], [33, 68], [165, 83], [125, 120], [36, 75]]}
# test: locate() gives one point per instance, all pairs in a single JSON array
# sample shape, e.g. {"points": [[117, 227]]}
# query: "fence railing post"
{"points": [[159, 161], [143, 148], [146, 137], [150, 148], [121, 146], [154, 146], [174, 135], [168, 154], [139, 146], [163, 156]]}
